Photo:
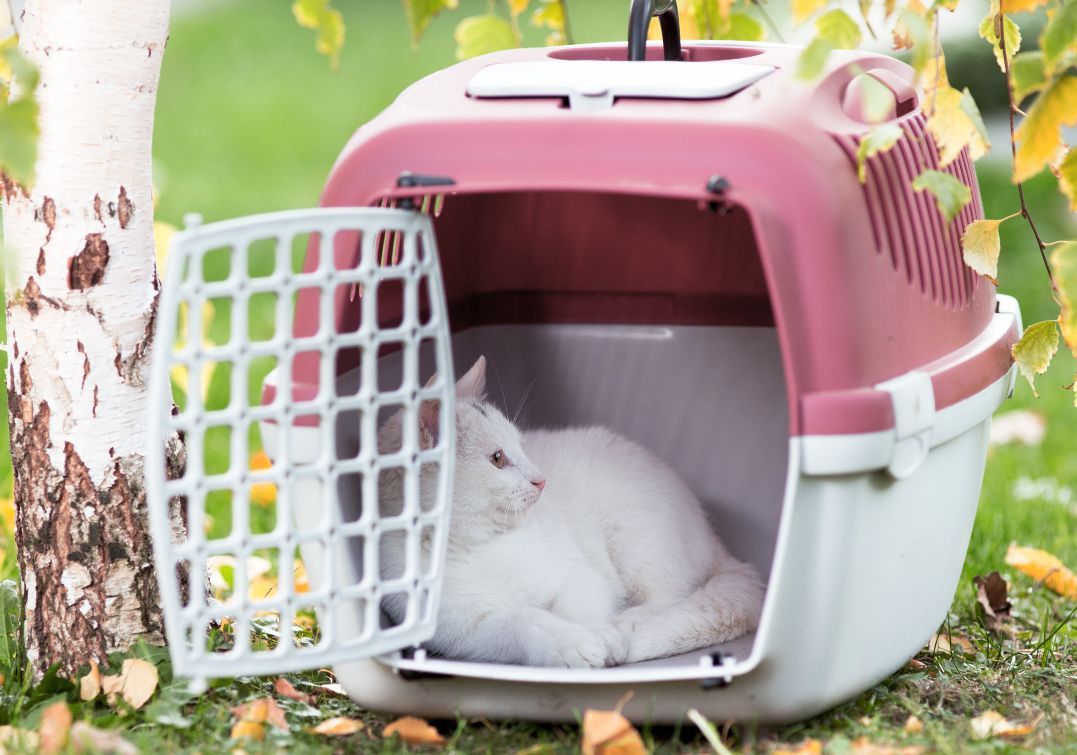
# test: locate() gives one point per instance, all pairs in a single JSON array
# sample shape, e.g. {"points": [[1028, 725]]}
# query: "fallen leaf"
{"points": [[1020, 426], [414, 731], [913, 725], [285, 688], [915, 665], [90, 739], [334, 689], [606, 732], [945, 644], [1043, 567], [262, 493], [90, 684], [249, 730], [342, 727], [14, 739], [136, 683], [991, 594], [993, 724], [863, 746], [807, 747], [54, 728], [264, 710]]}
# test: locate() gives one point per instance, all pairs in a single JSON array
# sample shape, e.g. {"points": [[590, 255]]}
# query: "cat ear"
{"points": [[473, 384], [429, 421]]}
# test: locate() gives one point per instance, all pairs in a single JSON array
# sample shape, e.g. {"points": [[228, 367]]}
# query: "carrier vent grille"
{"points": [[906, 224]]}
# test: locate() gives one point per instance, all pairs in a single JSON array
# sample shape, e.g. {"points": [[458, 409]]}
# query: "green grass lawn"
{"points": [[250, 119]]}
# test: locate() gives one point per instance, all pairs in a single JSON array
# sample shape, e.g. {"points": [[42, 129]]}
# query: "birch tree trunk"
{"points": [[81, 300]]}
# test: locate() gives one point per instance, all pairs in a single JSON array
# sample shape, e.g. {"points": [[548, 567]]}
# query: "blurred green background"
{"points": [[250, 119]]}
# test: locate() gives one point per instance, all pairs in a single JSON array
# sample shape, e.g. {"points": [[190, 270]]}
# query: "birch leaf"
{"points": [[839, 30], [285, 688], [1039, 135], [421, 12], [950, 194], [264, 710], [993, 724], [876, 98], [413, 731], [1043, 567], [879, 139], [54, 728], [802, 9], [136, 683], [812, 59], [1034, 352], [807, 747], [18, 120], [517, 7], [989, 32], [1027, 69], [1064, 262], [1021, 6], [249, 730], [1067, 177], [606, 732], [743, 27], [322, 17], [90, 684], [979, 144], [980, 245], [262, 493], [1060, 35], [339, 727], [479, 35]]}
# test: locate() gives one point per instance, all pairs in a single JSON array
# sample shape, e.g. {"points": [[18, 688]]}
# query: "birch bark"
{"points": [[81, 301]]}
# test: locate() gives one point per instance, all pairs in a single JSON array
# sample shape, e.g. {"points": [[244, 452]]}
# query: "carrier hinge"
{"points": [[410, 675], [719, 662], [913, 398]]}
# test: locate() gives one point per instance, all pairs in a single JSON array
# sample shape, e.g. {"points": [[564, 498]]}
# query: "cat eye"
{"points": [[497, 458]]}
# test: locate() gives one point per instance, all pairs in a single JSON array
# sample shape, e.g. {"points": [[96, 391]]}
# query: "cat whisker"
{"points": [[523, 400]]}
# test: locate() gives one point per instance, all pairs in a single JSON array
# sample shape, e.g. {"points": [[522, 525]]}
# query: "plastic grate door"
{"points": [[290, 332]]}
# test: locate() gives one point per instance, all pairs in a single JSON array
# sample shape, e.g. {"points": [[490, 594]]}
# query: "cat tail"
{"points": [[725, 607]]}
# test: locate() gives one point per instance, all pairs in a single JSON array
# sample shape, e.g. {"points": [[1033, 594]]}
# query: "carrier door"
{"points": [[284, 344]]}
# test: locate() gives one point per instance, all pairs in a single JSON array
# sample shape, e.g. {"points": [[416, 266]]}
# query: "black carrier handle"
{"points": [[639, 20]]}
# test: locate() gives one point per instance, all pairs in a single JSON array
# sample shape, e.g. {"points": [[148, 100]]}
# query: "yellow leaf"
{"points": [[322, 17], [54, 727], [807, 747], [249, 730], [993, 724], [414, 731], [299, 573], [479, 35], [955, 123], [262, 588], [1040, 134], [1064, 262], [879, 139], [1034, 352], [7, 513], [136, 683], [913, 725], [802, 9], [1043, 567], [989, 33], [864, 746], [264, 710], [1020, 6], [1067, 177], [90, 685], [516, 7], [607, 732], [945, 644], [339, 727], [981, 245], [262, 493]]}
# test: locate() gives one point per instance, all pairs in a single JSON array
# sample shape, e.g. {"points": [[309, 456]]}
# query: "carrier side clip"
{"points": [[913, 399]]}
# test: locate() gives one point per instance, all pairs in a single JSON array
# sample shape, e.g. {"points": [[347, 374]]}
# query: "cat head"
{"points": [[495, 483]]}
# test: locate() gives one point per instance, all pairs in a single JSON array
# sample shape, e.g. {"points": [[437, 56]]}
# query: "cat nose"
{"points": [[540, 483]]}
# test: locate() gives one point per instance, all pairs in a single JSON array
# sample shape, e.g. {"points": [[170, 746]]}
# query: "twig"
{"points": [[1013, 142], [767, 19]]}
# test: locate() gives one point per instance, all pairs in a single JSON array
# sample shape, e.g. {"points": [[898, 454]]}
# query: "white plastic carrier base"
{"points": [[861, 567]]}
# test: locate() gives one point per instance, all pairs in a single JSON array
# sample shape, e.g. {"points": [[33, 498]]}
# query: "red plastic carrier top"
{"points": [[864, 282]]}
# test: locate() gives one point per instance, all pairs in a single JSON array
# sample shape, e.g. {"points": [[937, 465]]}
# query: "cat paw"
{"points": [[616, 642], [580, 647]]}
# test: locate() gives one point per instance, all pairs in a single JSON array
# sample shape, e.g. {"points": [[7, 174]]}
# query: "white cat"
{"points": [[571, 547]]}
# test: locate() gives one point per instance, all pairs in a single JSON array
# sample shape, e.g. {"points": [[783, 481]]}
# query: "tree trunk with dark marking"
{"points": [[81, 303]]}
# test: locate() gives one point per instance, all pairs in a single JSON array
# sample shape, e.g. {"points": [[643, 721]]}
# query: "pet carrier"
{"points": [[679, 249]]}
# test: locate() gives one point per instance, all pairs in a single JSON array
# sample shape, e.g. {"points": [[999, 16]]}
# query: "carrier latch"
{"points": [[913, 398]]}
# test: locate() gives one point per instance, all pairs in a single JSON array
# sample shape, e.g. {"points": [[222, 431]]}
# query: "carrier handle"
{"points": [[639, 19]]}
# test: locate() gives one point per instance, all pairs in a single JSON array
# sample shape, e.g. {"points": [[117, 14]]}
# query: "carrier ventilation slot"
{"points": [[905, 223]]}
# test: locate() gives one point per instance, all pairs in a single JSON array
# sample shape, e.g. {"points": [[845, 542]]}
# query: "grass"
{"points": [[250, 120]]}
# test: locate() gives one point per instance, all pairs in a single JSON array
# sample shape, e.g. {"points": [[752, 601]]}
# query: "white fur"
{"points": [[613, 562]]}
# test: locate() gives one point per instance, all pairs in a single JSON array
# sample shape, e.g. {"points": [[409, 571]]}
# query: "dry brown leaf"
{"points": [[913, 725], [864, 746], [915, 665], [249, 730], [89, 739], [414, 731], [90, 685], [993, 724], [285, 688], [340, 727], [807, 747], [15, 739], [1020, 426], [54, 728], [943, 643], [1043, 567], [992, 595], [264, 710], [136, 683], [608, 732]]}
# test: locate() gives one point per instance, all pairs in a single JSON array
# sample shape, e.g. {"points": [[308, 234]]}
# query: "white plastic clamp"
{"points": [[914, 417]]}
